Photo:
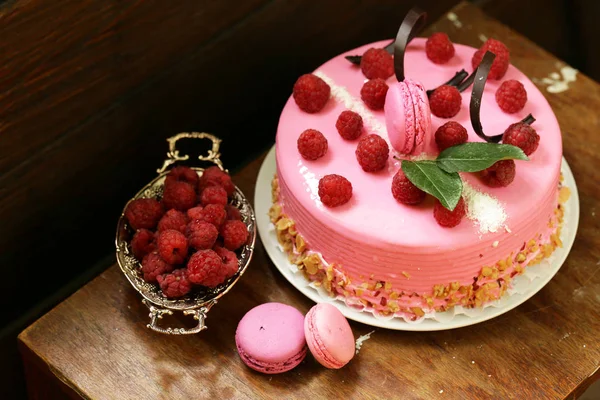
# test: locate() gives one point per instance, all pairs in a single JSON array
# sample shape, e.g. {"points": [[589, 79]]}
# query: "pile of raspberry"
{"points": [[188, 238]]}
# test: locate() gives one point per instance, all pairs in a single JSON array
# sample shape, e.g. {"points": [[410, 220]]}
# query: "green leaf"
{"points": [[427, 176], [473, 157]]}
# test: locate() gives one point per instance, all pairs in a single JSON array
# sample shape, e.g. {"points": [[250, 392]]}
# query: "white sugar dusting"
{"points": [[361, 339], [341, 94], [454, 19], [558, 83], [483, 209]]}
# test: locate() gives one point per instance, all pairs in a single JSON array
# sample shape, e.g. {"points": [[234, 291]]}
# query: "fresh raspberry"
{"points": [[501, 174], [447, 218], [214, 214], [523, 136], [373, 93], [213, 195], [405, 191], [501, 62], [195, 213], [234, 233], [205, 268], [179, 195], [230, 261], [172, 246], [334, 190], [143, 213], [311, 93], [216, 176], [175, 284], [201, 235], [439, 48], [511, 96], [450, 134], [377, 63], [173, 219], [445, 101], [372, 153], [153, 266], [183, 174], [233, 212], [142, 243], [349, 125], [312, 144]]}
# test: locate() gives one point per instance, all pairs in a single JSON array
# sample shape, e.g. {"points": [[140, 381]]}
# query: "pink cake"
{"points": [[395, 259]]}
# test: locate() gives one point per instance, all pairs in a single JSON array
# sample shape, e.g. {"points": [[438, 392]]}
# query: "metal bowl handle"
{"points": [[157, 313], [173, 156]]}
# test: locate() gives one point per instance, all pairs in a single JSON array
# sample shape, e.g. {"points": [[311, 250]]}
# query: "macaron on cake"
{"points": [[270, 338], [329, 336], [417, 176]]}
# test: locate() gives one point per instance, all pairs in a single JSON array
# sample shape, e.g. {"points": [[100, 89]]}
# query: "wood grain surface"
{"points": [[96, 342]]}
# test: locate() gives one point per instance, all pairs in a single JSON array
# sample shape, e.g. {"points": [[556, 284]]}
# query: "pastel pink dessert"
{"points": [[270, 338], [395, 259], [407, 116], [329, 336]]}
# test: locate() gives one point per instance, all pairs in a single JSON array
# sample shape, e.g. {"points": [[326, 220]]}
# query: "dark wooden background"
{"points": [[90, 89]]}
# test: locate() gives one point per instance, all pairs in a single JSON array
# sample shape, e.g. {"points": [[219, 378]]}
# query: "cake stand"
{"points": [[524, 286]]}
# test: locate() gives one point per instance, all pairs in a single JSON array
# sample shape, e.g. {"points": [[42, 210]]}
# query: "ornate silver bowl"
{"points": [[199, 302]]}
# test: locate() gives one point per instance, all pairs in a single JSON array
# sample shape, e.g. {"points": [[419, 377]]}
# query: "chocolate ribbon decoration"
{"points": [[410, 27], [480, 77], [454, 81]]}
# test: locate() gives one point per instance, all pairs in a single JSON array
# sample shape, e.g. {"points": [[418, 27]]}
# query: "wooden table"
{"points": [[95, 344]]}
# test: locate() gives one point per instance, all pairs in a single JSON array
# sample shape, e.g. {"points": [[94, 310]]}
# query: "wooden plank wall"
{"points": [[90, 89]]}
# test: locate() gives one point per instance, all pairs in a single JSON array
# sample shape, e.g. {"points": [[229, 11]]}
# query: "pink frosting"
{"points": [[407, 117], [375, 235]]}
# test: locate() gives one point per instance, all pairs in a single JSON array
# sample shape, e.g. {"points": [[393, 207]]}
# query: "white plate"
{"points": [[524, 286]]}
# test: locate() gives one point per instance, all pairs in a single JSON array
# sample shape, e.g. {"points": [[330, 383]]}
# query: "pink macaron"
{"points": [[270, 338], [329, 336], [408, 117]]}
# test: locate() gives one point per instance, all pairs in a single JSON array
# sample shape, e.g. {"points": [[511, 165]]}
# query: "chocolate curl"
{"points": [[454, 81], [481, 74], [410, 27], [356, 59]]}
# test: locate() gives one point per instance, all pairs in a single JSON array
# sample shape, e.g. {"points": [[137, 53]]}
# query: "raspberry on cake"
{"points": [[405, 191], [439, 48], [377, 63], [501, 174], [445, 101], [178, 195], [143, 213], [311, 93], [523, 136], [501, 62], [372, 153], [205, 268], [172, 246], [312, 144], [349, 125], [447, 218], [511, 96], [450, 134], [373, 93], [334, 190]]}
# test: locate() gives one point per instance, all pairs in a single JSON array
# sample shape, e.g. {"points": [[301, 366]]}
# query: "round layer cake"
{"points": [[394, 258]]}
